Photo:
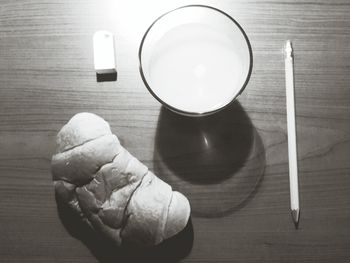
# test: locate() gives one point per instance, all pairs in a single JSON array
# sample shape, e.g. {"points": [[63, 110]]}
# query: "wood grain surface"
{"points": [[237, 182]]}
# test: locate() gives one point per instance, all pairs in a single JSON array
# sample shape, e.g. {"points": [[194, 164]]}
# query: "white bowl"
{"points": [[195, 60]]}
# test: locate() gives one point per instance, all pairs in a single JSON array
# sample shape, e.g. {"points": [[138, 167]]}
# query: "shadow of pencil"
{"points": [[217, 161], [171, 250]]}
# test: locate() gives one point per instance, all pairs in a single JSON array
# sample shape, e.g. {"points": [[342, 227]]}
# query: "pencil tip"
{"points": [[288, 49], [295, 217]]}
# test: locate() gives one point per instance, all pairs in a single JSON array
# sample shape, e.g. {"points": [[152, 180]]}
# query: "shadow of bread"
{"points": [[170, 250]]}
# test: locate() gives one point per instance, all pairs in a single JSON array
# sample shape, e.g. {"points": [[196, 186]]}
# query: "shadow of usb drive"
{"points": [[106, 76]]}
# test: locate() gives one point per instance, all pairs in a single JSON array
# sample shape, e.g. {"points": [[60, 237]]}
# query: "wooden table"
{"points": [[237, 184]]}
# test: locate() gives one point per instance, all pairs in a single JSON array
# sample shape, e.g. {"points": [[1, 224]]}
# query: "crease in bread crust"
{"points": [[66, 180], [81, 144], [126, 216], [116, 188], [101, 166], [105, 183], [167, 215], [98, 202], [94, 174], [84, 186], [76, 201]]}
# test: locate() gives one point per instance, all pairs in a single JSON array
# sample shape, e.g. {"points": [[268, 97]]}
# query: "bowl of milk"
{"points": [[195, 60]]}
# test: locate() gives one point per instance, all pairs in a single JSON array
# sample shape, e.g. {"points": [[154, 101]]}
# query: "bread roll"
{"points": [[110, 189]]}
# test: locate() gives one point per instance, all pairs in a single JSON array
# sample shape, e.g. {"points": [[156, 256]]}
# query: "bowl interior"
{"points": [[195, 59]]}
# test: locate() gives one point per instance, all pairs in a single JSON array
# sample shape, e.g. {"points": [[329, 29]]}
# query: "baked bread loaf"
{"points": [[110, 189]]}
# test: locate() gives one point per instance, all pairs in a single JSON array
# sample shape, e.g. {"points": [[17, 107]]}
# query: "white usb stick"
{"points": [[104, 57]]}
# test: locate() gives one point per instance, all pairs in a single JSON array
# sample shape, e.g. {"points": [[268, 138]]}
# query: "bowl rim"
{"points": [[189, 113]]}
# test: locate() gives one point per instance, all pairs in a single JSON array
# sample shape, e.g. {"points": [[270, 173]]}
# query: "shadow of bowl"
{"points": [[217, 161]]}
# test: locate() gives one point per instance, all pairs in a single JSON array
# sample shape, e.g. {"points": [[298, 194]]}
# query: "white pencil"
{"points": [[292, 143]]}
